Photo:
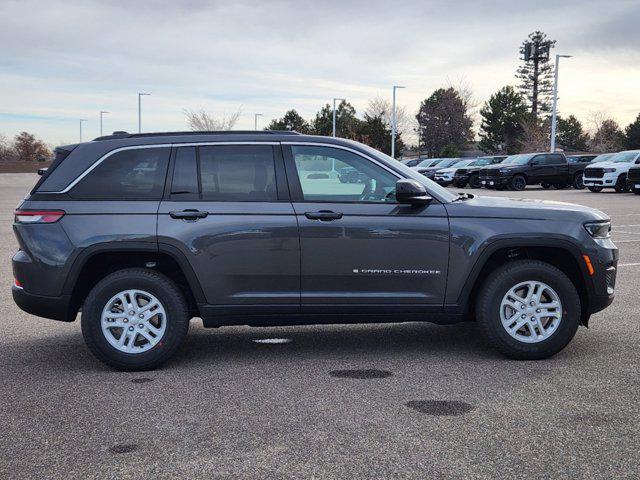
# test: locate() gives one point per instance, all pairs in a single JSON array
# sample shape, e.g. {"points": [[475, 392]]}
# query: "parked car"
{"points": [[470, 175], [611, 173], [429, 171], [518, 171], [444, 176], [412, 162], [633, 179], [229, 227]]}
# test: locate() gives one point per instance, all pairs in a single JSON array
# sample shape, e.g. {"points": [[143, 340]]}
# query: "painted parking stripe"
{"points": [[629, 264]]}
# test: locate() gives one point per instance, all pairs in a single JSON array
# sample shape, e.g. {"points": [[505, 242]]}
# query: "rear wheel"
{"points": [[518, 183], [474, 181], [621, 184], [636, 191], [595, 189], [578, 182], [545, 185], [528, 310], [134, 319], [560, 186]]}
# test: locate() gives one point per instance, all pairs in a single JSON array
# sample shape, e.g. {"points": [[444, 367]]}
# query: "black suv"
{"points": [[143, 232], [470, 175]]}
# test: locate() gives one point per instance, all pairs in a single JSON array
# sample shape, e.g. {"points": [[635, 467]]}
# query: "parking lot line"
{"points": [[629, 264]]}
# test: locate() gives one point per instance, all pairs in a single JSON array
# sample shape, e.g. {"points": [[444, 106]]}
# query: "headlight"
{"points": [[609, 170], [599, 229]]}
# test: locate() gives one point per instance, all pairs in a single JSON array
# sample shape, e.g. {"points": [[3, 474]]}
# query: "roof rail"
{"points": [[121, 134]]}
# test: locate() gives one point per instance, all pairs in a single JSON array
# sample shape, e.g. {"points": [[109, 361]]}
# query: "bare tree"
{"points": [[535, 135], [606, 134], [205, 122], [381, 107]]}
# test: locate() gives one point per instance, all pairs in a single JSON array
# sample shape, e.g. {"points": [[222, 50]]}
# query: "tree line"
{"points": [[23, 147]]}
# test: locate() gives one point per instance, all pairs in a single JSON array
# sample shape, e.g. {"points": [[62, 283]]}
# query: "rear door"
{"points": [[227, 210], [541, 170], [360, 250]]}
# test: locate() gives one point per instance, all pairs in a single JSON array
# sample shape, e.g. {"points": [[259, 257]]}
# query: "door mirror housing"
{"points": [[411, 192]]}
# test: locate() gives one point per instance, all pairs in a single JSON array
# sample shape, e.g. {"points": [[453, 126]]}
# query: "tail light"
{"points": [[38, 216]]}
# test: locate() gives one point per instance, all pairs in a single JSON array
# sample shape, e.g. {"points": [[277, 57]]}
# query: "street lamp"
{"points": [[255, 120], [81, 120], [554, 119], [393, 122], [334, 114], [102, 112], [140, 95]]}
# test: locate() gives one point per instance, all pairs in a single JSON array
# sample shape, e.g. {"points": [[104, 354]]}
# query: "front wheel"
{"points": [[636, 191], [528, 310], [621, 184], [134, 319], [474, 181], [545, 185], [578, 182], [518, 183], [595, 189]]}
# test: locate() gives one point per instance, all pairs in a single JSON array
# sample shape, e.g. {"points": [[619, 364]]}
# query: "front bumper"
{"points": [[443, 180], [603, 281], [495, 181], [607, 180], [54, 308]]}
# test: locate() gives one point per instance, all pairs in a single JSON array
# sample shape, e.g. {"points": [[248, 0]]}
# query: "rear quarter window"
{"points": [[135, 174]]}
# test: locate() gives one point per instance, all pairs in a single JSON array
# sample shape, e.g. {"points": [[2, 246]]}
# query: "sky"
{"points": [[62, 61]]}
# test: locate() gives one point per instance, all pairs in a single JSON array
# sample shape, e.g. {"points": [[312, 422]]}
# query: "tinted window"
{"points": [[238, 173], [185, 172], [555, 160], [136, 174], [334, 175]]}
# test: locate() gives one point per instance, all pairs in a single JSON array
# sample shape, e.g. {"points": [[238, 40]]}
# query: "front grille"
{"points": [[610, 278], [461, 171], [634, 174], [594, 172]]}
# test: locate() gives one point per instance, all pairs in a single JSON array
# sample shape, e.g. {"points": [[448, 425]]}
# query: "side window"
{"points": [[238, 173], [136, 174], [334, 175], [540, 159], [555, 160], [185, 172]]}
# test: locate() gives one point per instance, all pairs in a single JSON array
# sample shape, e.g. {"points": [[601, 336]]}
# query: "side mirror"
{"points": [[411, 192]]}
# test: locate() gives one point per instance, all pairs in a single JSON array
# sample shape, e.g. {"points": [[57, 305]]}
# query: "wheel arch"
{"points": [[562, 253]]}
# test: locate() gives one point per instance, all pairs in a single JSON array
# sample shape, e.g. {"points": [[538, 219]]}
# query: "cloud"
{"points": [[71, 59]]}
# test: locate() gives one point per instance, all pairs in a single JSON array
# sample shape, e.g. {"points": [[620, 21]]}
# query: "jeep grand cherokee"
{"points": [[143, 232]]}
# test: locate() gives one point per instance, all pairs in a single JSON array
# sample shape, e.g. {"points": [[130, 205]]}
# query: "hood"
{"points": [[519, 208], [498, 166], [447, 170], [605, 165]]}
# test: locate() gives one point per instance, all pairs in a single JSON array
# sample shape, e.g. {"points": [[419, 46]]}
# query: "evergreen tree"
{"points": [[373, 131], [570, 134], [632, 134], [536, 72], [346, 121], [291, 121], [502, 122]]}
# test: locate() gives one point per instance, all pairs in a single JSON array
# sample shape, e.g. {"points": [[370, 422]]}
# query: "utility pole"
{"points": [[81, 120], [393, 122], [554, 115], [140, 95], [334, 114], [255, 120], [102, 112]]}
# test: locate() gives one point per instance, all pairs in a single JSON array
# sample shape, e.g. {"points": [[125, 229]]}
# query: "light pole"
{"points": [[102, 112], [255, 120], [81, 120], [334, 114], [554, 119], [140, 95], [393, 122]]}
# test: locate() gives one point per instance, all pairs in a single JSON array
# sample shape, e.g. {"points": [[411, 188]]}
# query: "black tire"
{"points": [[578, 182], [498, 284], [560, 186], [518, 183], [595, 189], [545, 185], [636, 191], [474, 181], [154, 283], [621, 184]]}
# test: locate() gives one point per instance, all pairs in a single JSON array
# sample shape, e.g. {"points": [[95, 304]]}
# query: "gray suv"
{"points": [[143, 232]]}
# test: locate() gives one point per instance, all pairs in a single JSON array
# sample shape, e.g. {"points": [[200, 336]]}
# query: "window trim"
{"points": [[156, 145], [297, 194]]}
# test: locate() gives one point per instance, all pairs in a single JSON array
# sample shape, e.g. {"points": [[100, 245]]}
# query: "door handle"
{"points": [[323, 215], [189, 214]]}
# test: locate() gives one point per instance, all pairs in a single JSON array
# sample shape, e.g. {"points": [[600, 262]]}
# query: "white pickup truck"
{"points": [[611, 173]]}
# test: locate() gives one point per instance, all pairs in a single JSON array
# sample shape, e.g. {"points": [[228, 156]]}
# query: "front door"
{"points": [[227, 211], [359, 248]]}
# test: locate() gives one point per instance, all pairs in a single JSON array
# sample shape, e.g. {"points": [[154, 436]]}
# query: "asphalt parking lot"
{"points": [[427, 402]]}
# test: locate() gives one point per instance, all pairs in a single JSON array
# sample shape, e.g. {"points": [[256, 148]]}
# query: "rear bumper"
{"points": [[54, 308]]}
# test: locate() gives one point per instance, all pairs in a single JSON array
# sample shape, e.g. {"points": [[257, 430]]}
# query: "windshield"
{"points": [[481, 162], [603, 157], [448, 162], [411, 163], [432, 186], [430, 162], [624, 157], [463, 163], [521, 159]]}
